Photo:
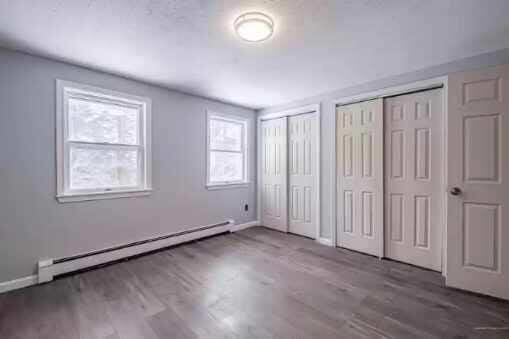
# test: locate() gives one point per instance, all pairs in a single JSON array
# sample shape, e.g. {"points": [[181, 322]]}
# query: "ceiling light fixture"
{"points": [[254, 26]]}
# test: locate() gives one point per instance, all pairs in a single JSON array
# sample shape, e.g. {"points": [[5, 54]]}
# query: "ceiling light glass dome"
{"points": [[254, 26]]}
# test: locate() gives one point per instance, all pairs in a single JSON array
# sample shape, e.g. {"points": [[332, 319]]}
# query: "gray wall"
{"points": [[328, 122], [34, 226]]}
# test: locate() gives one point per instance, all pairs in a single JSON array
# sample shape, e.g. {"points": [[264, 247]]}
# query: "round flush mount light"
{"points": [[254, 26]]}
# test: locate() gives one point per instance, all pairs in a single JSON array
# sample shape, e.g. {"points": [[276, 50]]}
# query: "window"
{"points": [[103, 143], [226, 151]]}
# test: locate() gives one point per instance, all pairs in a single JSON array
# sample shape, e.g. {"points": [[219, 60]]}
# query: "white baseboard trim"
{"points": [[49, 268], [241, 227], [18, 283], [325, 241]]}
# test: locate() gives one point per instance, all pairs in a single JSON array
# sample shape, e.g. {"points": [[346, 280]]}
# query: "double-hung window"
{"points": [[226, 151], [103, 143]]}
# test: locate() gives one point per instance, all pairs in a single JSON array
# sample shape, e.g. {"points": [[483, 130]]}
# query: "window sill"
{"points": [[103, 195], [213, 187]]}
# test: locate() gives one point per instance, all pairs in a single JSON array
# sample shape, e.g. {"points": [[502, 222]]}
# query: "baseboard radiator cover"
{"points": [[49, 268]]}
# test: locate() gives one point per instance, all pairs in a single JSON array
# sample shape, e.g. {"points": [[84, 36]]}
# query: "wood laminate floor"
{"points": [[256, 283]]}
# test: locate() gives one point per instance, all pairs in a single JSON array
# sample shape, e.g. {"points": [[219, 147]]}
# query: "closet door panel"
{"points": [[360, 176], [274, 175], [413, 183], [302, 174]]}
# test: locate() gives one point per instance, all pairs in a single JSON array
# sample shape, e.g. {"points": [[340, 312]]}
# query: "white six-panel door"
{"points": [[478, 173], [360, 176], [274, 174], [413, 178], [302, 167]]}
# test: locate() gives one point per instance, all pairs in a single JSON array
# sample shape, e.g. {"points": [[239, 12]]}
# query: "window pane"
{"points": [[102, 122], [225, 166], [103, 168], [225, 135]]}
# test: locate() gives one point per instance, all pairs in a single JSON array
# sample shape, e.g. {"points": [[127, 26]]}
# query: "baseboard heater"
{"points": [[49, 268]]}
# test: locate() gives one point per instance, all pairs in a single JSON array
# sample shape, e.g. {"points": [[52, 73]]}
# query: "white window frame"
{"points": [[66, 90], [244, 150]]}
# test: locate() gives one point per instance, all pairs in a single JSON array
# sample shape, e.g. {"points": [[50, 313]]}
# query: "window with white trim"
{"points": [[226, 151], [103, 143]]}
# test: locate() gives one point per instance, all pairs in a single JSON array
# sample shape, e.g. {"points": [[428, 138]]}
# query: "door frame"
{"points": [[402, 89], [313, 108]]}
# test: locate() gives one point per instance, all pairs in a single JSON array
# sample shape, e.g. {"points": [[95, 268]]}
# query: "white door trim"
{"points": [[314, 108], [294, 111], [392, 91], [382, 93]]}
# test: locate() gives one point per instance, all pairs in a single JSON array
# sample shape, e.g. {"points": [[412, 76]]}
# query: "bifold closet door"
{"points": [[302, 168], [360, 176], [274, 175], [478, 174], [414, 191]]}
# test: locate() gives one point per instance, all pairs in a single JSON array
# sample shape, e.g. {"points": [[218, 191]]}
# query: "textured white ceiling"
{"points": [[318, 46]]}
